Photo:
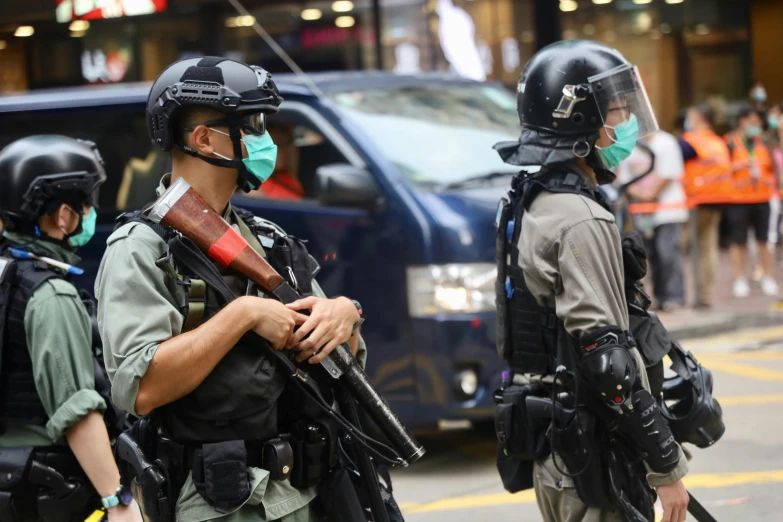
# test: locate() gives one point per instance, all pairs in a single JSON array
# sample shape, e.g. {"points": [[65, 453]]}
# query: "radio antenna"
{"points": [[279, 51]]}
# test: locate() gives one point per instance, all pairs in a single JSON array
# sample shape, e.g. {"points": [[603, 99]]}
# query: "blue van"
{"points": [[401, 188]]}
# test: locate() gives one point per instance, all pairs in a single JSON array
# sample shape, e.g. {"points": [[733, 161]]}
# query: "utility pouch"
{"points": [[310, 445], [278, 458], [520, 435], [290, 258], [575, 438], [220, 474], [516, 473]]}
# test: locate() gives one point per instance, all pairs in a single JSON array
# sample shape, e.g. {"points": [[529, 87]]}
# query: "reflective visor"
{"points": [[620, 93]]}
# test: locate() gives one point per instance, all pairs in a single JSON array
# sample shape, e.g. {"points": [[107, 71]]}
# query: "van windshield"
{"points": [[436, 134]]}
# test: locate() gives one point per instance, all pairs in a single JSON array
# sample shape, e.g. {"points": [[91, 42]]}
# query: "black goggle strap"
{"points": [[236, 139], [252, 123], [237, 164]]}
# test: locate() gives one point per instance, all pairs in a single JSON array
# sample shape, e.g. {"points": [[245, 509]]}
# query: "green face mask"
{"points": [[773, 121], [88, 229], [261, 158], [625, 134], [751, 131]]}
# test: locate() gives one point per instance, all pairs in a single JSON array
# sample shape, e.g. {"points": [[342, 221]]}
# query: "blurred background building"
{"points": [[687, 50]]}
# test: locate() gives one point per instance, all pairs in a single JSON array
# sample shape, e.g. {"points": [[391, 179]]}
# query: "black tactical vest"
{"points": [[528, 334], [19, 399], [239, 398]]}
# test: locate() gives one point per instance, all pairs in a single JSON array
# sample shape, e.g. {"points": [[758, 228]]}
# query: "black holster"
{"points": [[31, 488], [151, 482], [575, 434]]}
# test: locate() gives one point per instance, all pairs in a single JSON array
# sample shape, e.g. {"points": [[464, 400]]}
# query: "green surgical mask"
{"points": [[88, 229], [626, 134], [773, 121], [751, 131], [261, 158]]}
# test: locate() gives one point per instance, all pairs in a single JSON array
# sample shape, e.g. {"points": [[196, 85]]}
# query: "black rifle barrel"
{"points": [[363, 390]]}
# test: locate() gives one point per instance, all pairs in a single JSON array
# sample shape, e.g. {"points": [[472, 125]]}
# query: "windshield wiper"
{"points": [[477, 180]]}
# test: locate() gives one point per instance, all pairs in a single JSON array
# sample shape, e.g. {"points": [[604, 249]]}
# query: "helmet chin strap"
{"points": [[222, 161], [602, 174]]}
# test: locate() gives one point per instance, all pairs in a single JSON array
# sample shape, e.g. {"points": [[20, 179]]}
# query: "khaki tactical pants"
{"points": [[557, 498], [707, 222]]}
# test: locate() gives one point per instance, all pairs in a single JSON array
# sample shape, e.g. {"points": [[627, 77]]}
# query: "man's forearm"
{"points": [[183, 362], [660, 185], [89, 442]]}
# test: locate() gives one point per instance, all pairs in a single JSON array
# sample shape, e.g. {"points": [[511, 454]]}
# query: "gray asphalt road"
{"points": [[740, 478]]}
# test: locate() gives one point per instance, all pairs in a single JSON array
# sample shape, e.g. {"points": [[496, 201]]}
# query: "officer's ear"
{"points": [[65, 218], [201, 139]]}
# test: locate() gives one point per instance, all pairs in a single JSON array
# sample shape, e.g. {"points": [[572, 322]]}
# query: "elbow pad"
{"points": [[609, 369]]}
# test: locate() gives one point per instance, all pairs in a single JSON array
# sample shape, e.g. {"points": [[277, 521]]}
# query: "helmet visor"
{"points": [[621, 97]]}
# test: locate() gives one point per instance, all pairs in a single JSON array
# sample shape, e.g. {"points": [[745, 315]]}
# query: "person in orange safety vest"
{"points": [[754, 185], [708, 187]]}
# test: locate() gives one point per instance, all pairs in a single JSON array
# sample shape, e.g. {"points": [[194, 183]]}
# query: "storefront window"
{"points": [[480, 39], [687, 52]]}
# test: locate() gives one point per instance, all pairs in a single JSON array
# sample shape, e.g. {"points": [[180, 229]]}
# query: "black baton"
{"points": [[697, 510]]}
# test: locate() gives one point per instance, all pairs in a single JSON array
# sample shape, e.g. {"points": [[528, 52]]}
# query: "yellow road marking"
{"points": [[739, 338], [701, 480], [742, 355], [750, 399], [742, 370]]}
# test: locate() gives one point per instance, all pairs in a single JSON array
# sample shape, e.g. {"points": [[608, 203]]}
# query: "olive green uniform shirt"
{"points": [[571, 255], [138, 309], [59, 337]]}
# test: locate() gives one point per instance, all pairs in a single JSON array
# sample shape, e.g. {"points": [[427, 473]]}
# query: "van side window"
{"points": [[301, 148], [133, 166]]}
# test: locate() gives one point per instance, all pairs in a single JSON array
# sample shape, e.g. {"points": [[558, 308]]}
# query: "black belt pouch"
{"points": [[518, 434], [220, 474]]}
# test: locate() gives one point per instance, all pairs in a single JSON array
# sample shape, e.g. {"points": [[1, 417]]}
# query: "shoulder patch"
{"points": [[139, 232]]}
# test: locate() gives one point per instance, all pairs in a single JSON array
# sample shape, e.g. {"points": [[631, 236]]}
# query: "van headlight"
{"points": [[451, 289]]}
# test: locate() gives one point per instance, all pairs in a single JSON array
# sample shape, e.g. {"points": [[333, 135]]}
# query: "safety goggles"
{"points": [[252, 124]]}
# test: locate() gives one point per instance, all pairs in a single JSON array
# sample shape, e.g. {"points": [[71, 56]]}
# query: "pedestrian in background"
{"points": [[754, 185], [758, 96], [661, 197], [708, 188]]}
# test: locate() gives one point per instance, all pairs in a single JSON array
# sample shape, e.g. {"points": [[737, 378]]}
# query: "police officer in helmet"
{"points": [[55, 410], [582, 107], [179, 355]]}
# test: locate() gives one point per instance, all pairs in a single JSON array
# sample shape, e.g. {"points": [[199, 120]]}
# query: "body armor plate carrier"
{"points": [[527, 333]]}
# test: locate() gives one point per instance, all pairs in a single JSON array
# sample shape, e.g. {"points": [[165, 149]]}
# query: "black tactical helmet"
{"points": [[694, 415], [564, 96], [244, 93], [39, 173]]}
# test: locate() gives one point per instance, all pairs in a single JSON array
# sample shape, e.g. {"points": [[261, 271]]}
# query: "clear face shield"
{"points": [[622, 102]]}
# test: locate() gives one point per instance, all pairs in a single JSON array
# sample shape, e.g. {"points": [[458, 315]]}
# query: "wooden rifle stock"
{"points": [[184, 210]]}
